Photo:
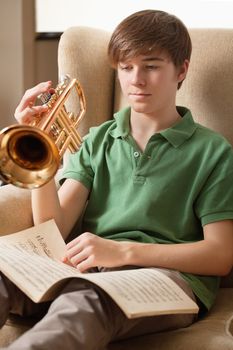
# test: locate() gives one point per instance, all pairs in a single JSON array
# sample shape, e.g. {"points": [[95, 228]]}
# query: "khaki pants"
{"points": [[82, 317]]}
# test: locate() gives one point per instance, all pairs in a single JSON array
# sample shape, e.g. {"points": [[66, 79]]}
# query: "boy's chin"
{"points": [[141, 109]]}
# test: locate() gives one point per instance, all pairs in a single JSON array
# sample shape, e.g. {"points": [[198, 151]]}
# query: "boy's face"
{"points": [[149, 82]]}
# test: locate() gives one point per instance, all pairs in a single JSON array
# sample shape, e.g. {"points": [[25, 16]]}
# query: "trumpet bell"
{"points": [[28, 156]]}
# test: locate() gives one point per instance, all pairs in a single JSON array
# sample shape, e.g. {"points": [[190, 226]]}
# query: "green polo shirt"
{"points": [[165, 194]]}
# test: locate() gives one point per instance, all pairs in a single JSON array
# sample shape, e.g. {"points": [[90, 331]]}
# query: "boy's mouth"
{"points": [[138, 95]]}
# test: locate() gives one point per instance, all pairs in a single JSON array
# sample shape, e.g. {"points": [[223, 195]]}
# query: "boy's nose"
{"points": [[137, 78]]}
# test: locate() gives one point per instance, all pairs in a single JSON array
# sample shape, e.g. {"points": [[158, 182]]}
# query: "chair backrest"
{"points": [[207, 90], [82, 53]]}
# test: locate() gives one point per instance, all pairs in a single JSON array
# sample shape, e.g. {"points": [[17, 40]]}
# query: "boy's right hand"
{"points": [[26, 110]]}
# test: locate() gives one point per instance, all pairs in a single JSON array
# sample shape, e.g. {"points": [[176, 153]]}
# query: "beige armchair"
{"points": [[208, 92]]}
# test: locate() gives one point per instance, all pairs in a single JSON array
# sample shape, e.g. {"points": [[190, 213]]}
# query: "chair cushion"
{"points": [[14, 327]]}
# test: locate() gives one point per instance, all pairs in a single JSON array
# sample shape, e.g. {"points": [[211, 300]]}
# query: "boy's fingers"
{"points": [[31, 95], [27, 115]]}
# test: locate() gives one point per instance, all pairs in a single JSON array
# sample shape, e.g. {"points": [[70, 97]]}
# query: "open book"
{"points": [[32, 260]]}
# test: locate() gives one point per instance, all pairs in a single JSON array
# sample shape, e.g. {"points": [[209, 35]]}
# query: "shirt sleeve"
{"points": [[79, 166], [215, 200]]}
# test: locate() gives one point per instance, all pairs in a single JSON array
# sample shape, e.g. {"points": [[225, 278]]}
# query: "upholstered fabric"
{"points": [[208, 92], [209, 85], [82, 54], [15, 209]]}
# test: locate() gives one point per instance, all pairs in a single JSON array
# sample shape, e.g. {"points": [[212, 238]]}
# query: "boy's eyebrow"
{"points": [[152, 58]]}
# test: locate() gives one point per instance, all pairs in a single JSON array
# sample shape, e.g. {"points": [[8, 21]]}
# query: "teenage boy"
{"points": [[156, 188]]}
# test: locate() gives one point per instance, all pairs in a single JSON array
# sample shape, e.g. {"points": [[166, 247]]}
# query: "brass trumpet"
{"points": [[30, 155]]}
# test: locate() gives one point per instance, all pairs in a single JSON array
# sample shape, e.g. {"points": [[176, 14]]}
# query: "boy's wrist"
{"points": [[131, 253]]}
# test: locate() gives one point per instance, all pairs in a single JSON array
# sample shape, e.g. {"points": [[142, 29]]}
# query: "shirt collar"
{"points": [[175, 135], [122, 125], [181, 131]]}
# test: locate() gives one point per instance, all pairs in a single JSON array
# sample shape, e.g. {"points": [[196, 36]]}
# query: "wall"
{"points": [[105, 14], [17, 54], [26, 58], [46, 59]]}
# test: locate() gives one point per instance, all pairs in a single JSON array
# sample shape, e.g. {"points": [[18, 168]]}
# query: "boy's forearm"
{"points": [[201, 258], [45, 204]]}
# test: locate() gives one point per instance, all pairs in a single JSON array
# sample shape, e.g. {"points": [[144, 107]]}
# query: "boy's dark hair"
{"points": [[149, 30]]}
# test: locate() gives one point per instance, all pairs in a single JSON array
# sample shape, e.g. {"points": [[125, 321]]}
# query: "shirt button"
{"points": [[136, 154]]}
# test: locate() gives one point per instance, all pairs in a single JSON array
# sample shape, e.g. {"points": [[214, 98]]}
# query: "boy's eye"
{"points": [[125, 67], [151, 67]]}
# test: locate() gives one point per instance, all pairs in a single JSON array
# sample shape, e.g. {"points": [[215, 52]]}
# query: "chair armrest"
{"points": [[15, 209]]}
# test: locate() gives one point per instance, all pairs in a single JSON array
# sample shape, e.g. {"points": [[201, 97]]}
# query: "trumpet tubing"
{"points": [[30, 155]]}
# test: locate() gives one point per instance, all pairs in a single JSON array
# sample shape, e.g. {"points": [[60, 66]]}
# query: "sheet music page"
{"points": [[44, 239], [32, 273], [31, 259], [145, 291]]}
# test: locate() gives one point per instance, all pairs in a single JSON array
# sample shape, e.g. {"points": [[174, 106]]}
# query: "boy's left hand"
{"points": [[88, 250]]}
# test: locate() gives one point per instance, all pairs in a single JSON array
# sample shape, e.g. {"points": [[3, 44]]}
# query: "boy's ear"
{"points": [[182, 70]]}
